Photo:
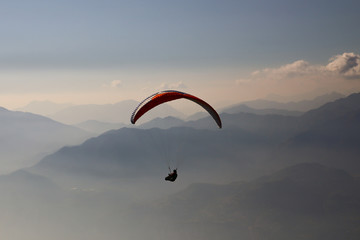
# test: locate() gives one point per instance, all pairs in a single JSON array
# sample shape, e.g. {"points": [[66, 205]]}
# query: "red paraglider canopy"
{"points": [[170, 95]]}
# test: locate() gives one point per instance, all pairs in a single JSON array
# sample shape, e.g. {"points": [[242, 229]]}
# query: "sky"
{"points": [[87, 51]]}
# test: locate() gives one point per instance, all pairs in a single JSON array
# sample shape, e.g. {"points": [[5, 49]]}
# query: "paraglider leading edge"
{"points": [[170, 95]]}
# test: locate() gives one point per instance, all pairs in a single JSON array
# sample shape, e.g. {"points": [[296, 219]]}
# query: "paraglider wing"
{"points": [[170, 95]]}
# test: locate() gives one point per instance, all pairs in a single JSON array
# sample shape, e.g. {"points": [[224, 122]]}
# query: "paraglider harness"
{"points": [[172, 175]]}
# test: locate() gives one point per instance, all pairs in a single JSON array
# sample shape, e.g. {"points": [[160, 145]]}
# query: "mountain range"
{"points": [[107, 113], [114, 113], [263, 176], [255, 144], [282, 139], [299, 106], [98, 127]]}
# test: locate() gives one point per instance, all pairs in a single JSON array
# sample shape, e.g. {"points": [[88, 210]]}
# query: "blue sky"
{"points": [[106, 51]]}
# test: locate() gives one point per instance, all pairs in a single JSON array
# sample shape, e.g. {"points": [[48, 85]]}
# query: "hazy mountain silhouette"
{"points": [[163, 123], [266, 107], [333, 110], [330, 135], [26, 137], [99, 127], [301, 106], [129, 152], [45, 108], [265, 125], [243, 108], [255, 144], [245, 117], [103, 187], [197, 116], [113, 113]]}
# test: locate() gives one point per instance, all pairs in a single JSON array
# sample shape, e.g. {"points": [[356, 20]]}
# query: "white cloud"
{"points": [[113, 84], [347, 65], [242, 81], [175, 86], [295, 69], [116, 83]]}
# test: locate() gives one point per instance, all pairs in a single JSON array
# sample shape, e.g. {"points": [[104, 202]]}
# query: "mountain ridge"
{"points": [[26, 137]]}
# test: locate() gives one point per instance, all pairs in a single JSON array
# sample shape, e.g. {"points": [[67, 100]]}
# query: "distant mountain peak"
{"points": [[303, 105], [163, 123], [2, 109], [336, 108]]}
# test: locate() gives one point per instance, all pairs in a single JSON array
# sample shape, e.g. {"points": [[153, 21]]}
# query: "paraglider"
{"points": [[166, 96], [172, 176]]}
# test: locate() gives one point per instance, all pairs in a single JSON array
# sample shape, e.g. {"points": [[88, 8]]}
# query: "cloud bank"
{"points": [[341, 74], [347, 65], [295, 69]]}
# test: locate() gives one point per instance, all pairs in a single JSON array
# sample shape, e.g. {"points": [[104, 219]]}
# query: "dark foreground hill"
{"points": [[305, 201]]}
